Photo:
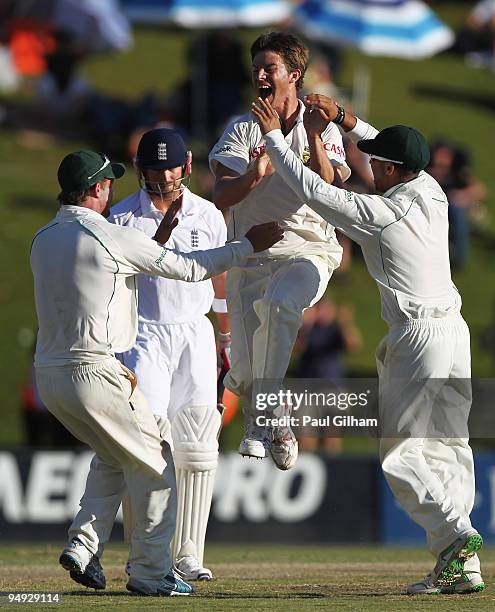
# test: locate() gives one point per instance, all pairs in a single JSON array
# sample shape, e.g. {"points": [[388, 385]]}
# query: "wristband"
{"points": [[339, 119], [220, 305]]}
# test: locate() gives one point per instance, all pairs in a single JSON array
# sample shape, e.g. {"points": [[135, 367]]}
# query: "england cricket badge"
{"points": [[162, 151], [306, 156], [194, 238]]}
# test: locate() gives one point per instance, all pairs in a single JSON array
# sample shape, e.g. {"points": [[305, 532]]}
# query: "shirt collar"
{"points": [[302, 108], [68, 210], [395, 188]]}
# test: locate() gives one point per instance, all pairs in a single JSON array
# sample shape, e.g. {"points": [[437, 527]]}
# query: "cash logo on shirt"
{"points": [[194, 238]]}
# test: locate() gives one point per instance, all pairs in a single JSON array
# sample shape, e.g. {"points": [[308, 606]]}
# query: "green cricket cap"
{"points": [[83, 169], [399, 144]]}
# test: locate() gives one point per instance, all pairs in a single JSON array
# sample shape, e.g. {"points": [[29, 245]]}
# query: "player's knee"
{"points": [[195, 436], [283, 306]]}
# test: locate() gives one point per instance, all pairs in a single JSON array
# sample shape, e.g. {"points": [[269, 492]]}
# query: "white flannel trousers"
{"points": [[424, 369], [95, 404]]}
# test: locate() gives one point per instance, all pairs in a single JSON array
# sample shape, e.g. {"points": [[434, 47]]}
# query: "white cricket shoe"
{"points": [[285, 448], [468, 582], [450, 563], [84, 567], [427, 586], [75, 556], [256, 441], [189, 568]]}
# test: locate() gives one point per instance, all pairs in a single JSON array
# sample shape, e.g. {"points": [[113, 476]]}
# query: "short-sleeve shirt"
{"points": [[201, 226], [305, 232]]}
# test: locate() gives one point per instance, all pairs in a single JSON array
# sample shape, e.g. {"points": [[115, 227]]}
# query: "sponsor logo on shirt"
{"points": [[224, 149], [333, 148], [306, 157], [257, 151], [194, 238], [161, 258]]}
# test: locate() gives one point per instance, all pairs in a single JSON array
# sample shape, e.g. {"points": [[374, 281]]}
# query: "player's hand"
{"points": [[263, 166], [264, 236], [328, 108], [169, 222], [266, 115], [314, 120]]}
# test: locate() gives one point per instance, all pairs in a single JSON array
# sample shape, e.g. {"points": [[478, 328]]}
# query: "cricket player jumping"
{"points": [[267, 297], [404, 238]]}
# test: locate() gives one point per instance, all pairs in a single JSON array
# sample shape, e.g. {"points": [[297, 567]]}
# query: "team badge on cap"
{"points": [[162, 151]]}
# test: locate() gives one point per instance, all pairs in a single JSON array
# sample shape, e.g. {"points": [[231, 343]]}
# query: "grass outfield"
{"points": [[256, 578]]}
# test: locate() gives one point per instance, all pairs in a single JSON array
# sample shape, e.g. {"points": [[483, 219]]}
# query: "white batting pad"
{"points": [[194, 434]]}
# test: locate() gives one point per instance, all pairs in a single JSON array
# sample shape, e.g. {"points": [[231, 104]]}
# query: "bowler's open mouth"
{"points": [[265, 91]]}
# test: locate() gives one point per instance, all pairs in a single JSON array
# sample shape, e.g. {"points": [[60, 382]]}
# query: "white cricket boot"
{"points": [[256, 441], [427, 586], [285, 448], [189, 568], [83, 566], [467, 582]]}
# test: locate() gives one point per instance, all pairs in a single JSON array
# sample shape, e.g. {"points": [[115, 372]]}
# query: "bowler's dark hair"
{"points": [[293, 52], [73, 198]]}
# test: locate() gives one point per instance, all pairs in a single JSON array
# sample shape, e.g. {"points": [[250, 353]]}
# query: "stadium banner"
{"points": [[320, 500], [397, 528]]}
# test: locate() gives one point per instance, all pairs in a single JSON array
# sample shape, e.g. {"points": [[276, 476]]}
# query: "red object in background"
{"points": [[231, 403], [29, 43]]}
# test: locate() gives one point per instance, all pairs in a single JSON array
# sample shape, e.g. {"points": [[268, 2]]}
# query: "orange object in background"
{"points": [[29, 43], [231, 403]]}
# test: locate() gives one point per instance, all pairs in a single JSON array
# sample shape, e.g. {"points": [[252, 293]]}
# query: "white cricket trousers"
{"points": [[266, 300], [424, 369], [176, 365], [96, 404]]}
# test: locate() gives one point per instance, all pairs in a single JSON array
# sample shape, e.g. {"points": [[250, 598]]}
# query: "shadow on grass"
{"points": [[197, 594], [234, 595]]}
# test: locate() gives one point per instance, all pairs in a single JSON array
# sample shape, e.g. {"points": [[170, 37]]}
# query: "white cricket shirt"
{"points": [[306, 233], [201, 226], [403, 234], [85, 271]]}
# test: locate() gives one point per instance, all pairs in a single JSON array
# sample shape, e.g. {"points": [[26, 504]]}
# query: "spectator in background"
{"points": [[212, 93], [61, 92], [451, 167], [477, 39], [327, 334]]}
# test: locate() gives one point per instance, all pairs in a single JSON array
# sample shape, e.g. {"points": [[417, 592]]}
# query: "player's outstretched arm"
{"points": [[147, 256]]}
